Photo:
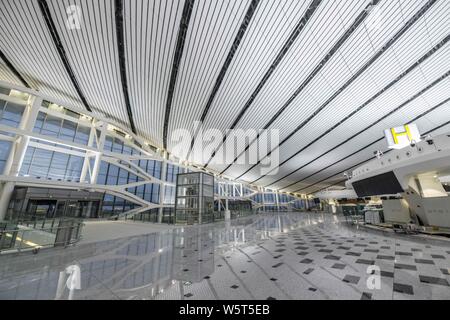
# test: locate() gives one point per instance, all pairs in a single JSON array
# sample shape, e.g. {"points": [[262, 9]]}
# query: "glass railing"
{"points": [[33, 236]]}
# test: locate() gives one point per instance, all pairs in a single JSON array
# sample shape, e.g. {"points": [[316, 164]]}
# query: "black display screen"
{"points": [[386, 183]]}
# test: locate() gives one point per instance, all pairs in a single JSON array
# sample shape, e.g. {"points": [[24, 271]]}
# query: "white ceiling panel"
{"points": [[28, 45], [331, 94]]}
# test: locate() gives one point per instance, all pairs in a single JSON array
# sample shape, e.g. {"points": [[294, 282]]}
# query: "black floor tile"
{"points": [[303, 253], [424, 261], [364, 261], [403, 288], [371, 250], [339, 266], [405, 266], [326, 250], [383, 257], [187, 295], [433, 280], [355, 254], [332, 257], [366, 296], [401, 253], [446, 271], [387, 274], [306, 261], [351, 279], [308, 271], [277, 265], [234, 286], [437, 256], [344, 248]]}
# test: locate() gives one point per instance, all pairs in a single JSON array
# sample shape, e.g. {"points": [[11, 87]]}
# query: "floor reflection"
{"points": [[241, 259]]}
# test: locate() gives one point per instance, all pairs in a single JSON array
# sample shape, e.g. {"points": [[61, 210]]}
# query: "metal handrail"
{"points": [[22, 238]]}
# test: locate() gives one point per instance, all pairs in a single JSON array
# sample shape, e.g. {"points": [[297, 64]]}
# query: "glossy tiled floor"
{"points": [[286, 256]]}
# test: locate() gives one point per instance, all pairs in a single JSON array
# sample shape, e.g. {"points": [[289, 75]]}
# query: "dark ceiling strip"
{"points": [[395, 81], [359, 19], [362, 162], [184, 24], [122, 60], [365, 147], [379, 120], [237, 40], [62, 53], [297, 30], [13, 70], [402, 31]]}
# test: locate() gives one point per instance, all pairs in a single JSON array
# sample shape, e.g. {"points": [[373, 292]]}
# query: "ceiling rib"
{"points": [[359, 19], [362, 162], [402, 31], [184, 24], [62, 53], [239, 36], [13, 69], [367, 146], [122, 60], [298, 29], [370, 100]]}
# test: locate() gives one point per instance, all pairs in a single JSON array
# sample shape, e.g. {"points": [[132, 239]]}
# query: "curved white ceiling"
{"points": [[330, 75]]}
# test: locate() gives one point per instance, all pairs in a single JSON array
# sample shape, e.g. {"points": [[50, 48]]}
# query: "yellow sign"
{"points": [[400, 137]]}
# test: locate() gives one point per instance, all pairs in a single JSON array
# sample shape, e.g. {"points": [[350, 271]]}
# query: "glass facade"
{"points": [[114, 205], [63, 129], [45, 162], [171, 173], [116, 145], [5, 147], [51, 165], [10, 113], [110, 174]]}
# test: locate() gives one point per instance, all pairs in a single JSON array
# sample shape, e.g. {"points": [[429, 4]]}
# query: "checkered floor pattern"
{"points": [[269, 256]]}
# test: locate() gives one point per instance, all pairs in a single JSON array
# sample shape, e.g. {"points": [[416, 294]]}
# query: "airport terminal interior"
{"points": [[224, 150]]}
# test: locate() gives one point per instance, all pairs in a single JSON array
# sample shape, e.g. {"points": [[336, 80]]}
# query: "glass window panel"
{"points": [[39, 122], [118, 146], [52, 125], [5, 147], [101, 179], [12, 114], [108, 143], [68, 130], [82, 135], [72, 114]]}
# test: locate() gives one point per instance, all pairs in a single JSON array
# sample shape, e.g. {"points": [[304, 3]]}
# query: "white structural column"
{"points": [[277, 202], [17, 152], [162, 189], [98, 156]]}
